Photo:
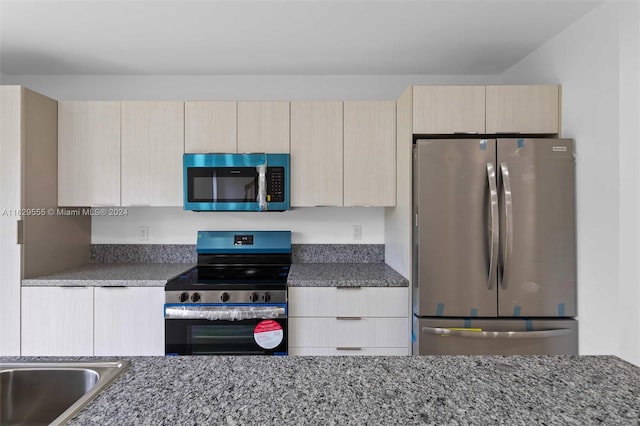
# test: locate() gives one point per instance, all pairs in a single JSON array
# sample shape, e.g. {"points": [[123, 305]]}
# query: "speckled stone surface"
{"points": [[344, 275], [113, 274], [463, 390], [185, 253], [143, 253], [337, 253]]}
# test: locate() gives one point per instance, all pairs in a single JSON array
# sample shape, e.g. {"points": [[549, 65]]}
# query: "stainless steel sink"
{"points": [[42, 393]]}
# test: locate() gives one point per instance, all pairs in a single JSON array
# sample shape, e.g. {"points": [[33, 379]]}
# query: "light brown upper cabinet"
{"points": [[316, 154], [152, 148], [211, 126], [89, 153], [448, 109], [263, 126], [369, 153], [523, 109]]}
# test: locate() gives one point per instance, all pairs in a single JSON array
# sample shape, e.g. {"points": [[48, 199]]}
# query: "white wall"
{"points": [[323, 225], [596, 61]]}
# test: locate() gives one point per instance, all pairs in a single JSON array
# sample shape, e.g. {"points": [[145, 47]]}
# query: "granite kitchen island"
{"points": [[369, 390]]}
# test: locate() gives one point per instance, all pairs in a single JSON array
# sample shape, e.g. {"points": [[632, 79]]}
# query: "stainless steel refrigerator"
{"points": [[494, 246]]}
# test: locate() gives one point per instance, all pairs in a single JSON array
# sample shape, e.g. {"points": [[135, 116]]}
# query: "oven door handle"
{"points": [[223, 313]]}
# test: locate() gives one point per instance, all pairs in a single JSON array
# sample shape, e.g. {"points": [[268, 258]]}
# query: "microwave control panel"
{"points": [[275, 184]]}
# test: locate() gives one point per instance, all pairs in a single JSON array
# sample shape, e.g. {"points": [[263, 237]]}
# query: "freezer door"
{"points": [[454, 183], [537, 268], [495, 337]]}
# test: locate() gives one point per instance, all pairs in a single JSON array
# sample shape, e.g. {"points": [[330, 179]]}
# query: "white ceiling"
{"points": [[276, 37]]}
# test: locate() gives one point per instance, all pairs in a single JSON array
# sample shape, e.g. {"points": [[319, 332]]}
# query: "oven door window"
{"points": [[222, 184], [204, 337]]}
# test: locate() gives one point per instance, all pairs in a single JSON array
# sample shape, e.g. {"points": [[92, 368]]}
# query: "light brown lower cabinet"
{"points": [[348, 321], [57, 321], [88, 321]]}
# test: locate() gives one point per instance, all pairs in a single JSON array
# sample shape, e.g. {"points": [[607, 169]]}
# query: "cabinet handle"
{"points": [[350, 287], [465, 133], [348, 348], [348, 318], [20, 232]]}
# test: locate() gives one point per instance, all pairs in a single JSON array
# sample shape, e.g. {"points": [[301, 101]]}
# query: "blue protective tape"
{"points": [[440, 309], [474, 312], [561, 309], [520, 143], [413, 336], [467, 323], [483, 144], [528, 324], [516, 311]]}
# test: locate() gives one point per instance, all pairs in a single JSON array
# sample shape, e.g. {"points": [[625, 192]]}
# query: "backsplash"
{"points": [[337, 253], [186, 253]]}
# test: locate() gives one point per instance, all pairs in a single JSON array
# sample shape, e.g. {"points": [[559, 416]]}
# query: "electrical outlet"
{"points": [[357, 232], [143, 233]]}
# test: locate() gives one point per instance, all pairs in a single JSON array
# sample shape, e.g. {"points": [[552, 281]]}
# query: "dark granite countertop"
{"points": [[461, 390], [345, 275], [113, 274], [157, 275]]}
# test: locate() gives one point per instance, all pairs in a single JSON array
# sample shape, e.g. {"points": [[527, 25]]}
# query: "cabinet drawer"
{"points": [[348, 301], [349, 332], [349, 352]]}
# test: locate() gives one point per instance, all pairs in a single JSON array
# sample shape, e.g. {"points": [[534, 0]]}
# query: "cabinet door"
{"points": [[129, 321], [448, 109], [316, 154], [370, 153], [89, 153], [152, 148], [263, 126], [10, 198], [210, 127], [57, 321], [523, 109]]}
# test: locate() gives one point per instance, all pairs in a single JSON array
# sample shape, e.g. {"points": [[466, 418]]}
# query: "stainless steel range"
{"points": [[234, 302]]}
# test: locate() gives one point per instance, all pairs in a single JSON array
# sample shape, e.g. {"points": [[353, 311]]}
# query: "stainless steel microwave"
{"points": [[236, 182]]}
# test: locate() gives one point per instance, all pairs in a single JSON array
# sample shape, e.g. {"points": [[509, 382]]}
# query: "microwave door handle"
{"points": [[262, 186]]}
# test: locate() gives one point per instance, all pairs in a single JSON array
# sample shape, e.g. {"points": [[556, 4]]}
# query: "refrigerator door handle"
{"points": [[508, 210], [494, 227], [541, 334]]}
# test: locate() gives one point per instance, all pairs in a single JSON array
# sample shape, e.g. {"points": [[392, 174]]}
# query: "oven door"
{"points": [[191, 334]]}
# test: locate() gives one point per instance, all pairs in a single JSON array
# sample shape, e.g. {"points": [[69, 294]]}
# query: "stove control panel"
{"points": [[226, 296]]}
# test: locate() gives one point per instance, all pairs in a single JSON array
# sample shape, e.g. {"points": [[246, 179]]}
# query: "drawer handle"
{"points": [[349, 318], [348, 348], [349, 287]]}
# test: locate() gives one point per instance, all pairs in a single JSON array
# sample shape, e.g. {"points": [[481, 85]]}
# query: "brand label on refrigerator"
{"points": [[559, 149]]}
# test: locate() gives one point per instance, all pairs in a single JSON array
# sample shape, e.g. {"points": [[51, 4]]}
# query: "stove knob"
{"points": [[224, 297], [183, 297], [253, 297], [195, 297], [266, 297]]}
